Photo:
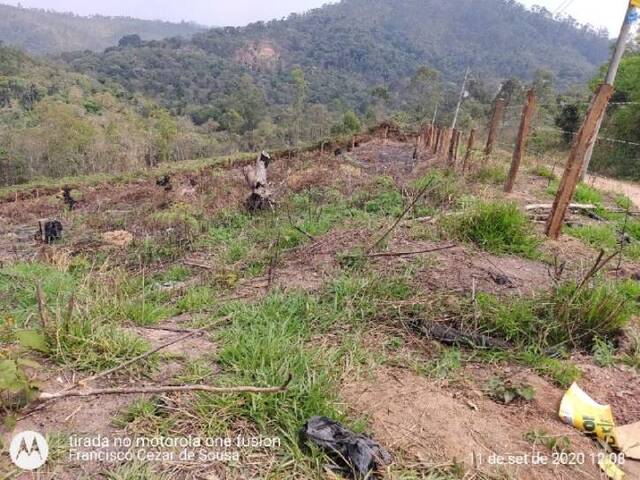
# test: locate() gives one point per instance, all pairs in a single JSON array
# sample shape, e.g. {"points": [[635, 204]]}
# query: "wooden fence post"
{"points": [[466, 162], [455, 137], [434, 134], [521, 142], [445, 144], [584, 139], [456, 149], [496, 118]]}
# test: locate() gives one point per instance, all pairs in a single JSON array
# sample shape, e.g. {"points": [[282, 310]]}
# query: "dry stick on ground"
{"points": [[291, 222], [193, 263], [623, 234], [402, 254], [139, 357], [44, 396], [274, 261], [42, 309], [422, 191]]}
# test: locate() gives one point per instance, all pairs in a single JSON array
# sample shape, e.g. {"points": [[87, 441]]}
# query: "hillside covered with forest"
{"points": [[41, 31], [349, 48], [56, 123], [288, 83]]}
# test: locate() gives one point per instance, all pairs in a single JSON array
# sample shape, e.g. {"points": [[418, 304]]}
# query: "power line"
{"points": [[563, 6]]}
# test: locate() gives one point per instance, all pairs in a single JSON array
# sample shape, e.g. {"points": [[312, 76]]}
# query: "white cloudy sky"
{"points": [[607, 13]]}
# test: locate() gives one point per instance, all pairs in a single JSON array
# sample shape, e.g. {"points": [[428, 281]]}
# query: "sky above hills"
{"points": [[240, 12]]}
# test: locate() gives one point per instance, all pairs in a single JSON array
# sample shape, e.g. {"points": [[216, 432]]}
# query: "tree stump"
{"points": [[49, 231], [256, 177]]}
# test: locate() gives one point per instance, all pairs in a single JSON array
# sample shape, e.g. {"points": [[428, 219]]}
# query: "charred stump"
{"points": [[68, 200], [49, 231], [256, 177]]}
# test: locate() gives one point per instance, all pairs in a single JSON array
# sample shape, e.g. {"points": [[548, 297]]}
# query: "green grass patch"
{"points": [[583, 194], [18, 290], [196, 299], [544, 172], [497, 227], [494, 174], [561, 319], [444, 188]]}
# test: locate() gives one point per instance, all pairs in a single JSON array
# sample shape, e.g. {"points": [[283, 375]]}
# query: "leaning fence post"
{"points": [[496, 118], [521, 141], [584, 139]]}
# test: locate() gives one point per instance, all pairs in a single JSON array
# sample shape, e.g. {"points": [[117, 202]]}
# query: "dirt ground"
{"points": [[431, 424]]}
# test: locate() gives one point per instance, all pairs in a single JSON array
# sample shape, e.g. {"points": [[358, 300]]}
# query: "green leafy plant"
{"points": [[555, 443], [505, 391]]}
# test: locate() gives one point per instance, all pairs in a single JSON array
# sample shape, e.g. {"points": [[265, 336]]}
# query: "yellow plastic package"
{"points": [[595, 420]]}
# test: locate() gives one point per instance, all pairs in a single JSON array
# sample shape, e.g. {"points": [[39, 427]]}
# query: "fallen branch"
{"points": [[302, 231], [44, 396], [452, 336], [572, 206], [402, 254], [194, 263], [134, 360], [42, 306]]}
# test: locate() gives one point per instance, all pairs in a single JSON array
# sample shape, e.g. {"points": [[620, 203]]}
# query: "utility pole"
{"points": [[461, 98], [621, 45]]}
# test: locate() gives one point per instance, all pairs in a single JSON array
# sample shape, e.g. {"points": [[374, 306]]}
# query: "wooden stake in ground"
{"points": [[466, 162], [496, 118], [445, 144], [521, 141], [453, 149], [585, 137], [434, 132], [436, 144], [256, 177]]}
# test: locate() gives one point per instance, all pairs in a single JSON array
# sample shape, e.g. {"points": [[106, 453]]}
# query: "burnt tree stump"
{"points": [[49, 231], [68, 200], [256, 177]]}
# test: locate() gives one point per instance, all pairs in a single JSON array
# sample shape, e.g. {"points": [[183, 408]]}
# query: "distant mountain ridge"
{"points": [[47, 32], [349, 48]]}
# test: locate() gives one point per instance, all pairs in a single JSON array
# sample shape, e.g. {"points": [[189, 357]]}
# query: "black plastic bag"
{"points": [[355, 454]]}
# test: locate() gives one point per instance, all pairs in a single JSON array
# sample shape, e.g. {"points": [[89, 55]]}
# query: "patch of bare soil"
{"points": [[391, 158], [618, 386], [630, 189], [433, 424], [463, 269]]}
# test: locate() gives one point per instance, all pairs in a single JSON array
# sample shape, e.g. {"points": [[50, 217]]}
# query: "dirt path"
{"points": [[630, 189]]}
